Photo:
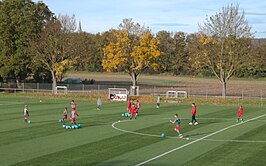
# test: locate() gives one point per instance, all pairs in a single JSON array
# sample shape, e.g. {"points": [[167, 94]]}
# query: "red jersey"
{"points": [[240, 111], [129, 104], [194, 110], [133, 110], [73, 105]]}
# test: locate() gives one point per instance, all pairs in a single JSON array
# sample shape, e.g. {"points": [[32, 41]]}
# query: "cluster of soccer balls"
{"points": [[72, 127], [126, 114]]}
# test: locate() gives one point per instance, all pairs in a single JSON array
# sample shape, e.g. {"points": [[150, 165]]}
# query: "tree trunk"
{"points": [[18, 82], [54, 82], [224, 89], [134, 83]]}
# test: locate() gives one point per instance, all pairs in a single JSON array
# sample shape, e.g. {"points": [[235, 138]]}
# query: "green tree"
{"points": [[131, 49], [172, 47], [20, 20], [52, 50], [224, 43]]}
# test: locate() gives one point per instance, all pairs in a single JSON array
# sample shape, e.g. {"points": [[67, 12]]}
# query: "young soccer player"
{"points": [[240, 114], [73, 116], [99, 103], [129, 104], [194, 112], [158, 101], [177, 123], [26, 115], [138, 105], [73, 105], [65, 115], [133, 111]]}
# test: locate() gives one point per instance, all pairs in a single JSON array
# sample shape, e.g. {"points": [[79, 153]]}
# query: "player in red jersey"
{"points": [[129, 104], [240, 114], [193, 112], [133, 111], [73, 116], [73, 105]]}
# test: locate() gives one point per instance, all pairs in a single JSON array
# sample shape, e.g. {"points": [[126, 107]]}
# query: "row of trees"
{"points": [[35, 43]]}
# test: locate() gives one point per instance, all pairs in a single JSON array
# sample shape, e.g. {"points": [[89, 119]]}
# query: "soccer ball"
{"points": [[123, 114], [163, 135], [64, 126], [40, 101], [187, 138], [28, 121]]}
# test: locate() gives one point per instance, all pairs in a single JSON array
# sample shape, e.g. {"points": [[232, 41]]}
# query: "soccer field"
{"points": [[107, 138]]}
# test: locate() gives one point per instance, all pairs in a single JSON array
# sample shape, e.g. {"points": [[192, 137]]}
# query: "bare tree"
{"points": [[224, 42], [68, 23]]}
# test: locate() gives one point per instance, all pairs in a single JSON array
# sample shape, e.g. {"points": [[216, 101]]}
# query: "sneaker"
{"points": [[196, 123], [190, 123]]}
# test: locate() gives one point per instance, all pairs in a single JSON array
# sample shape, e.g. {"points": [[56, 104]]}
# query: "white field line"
{"points": [[197, 140]]}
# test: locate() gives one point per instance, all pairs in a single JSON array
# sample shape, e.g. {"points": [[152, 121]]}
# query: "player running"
{"points": [[177, 123], [133, 111], [158, 101], [240, 114], [193, 112], [26, 115], [99, 103]]}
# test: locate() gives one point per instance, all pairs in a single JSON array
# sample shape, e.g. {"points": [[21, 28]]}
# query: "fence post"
{"points": [[83, 88], [98, 89], [38, 86], [23, 86]]}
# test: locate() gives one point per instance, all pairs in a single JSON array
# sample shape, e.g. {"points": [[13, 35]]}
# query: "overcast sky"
{"points": [[171, 15]]}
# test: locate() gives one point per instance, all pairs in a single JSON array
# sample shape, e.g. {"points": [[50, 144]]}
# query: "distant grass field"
{"points": [[102, 140]]}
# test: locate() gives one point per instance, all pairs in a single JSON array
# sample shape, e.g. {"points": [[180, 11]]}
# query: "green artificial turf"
{"points": [[46, 142]]}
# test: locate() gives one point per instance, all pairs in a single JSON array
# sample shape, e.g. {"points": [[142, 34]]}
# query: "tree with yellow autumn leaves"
{"points": [[223, 44], [132, 49]]}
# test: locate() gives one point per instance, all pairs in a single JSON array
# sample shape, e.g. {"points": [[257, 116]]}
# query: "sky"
{"points": [[170, 15]]}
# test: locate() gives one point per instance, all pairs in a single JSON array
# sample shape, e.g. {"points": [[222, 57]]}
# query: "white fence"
{"points": [[143, 90]]}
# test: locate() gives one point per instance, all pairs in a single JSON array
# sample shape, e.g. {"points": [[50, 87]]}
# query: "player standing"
{"points": [[73, 116], [129, 104], [133, 111], [138, 105], [65, 115], [26, 114], [158, 101], [193, 112], [240, 114], [177, 123], [73, 105], [99, 103]]}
